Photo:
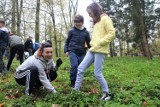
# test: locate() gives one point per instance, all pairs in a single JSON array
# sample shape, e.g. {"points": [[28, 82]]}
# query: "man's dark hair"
{"points": [[78, 19], [49, 41], [45, 45]]}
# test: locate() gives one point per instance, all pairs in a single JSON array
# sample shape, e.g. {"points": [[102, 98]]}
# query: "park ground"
{"points": [[134, 81]]}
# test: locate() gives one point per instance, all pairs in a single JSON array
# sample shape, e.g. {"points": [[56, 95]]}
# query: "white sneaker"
{"points": [[106, 96]]}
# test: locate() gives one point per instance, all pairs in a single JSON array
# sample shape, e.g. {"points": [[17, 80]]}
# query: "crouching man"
{"points": [[38, 70]]}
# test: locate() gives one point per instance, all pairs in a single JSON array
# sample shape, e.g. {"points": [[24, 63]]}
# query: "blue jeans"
{"points": [[75, 60], [98, 60]]}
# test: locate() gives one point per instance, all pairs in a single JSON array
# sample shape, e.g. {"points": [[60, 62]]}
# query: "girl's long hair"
{"points": [[97, 11]]}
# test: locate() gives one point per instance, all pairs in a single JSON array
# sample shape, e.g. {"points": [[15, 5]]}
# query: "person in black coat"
{"points": [[4, 34], [28, 45]]}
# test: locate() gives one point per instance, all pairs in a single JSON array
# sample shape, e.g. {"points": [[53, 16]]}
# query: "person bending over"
{"points": [[38, 70]]}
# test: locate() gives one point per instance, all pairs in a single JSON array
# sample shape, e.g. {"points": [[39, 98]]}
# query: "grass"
{"points": [[134, 81]]}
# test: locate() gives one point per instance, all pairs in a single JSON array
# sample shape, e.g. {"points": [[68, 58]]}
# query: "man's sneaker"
{"points": [[106, 96]]}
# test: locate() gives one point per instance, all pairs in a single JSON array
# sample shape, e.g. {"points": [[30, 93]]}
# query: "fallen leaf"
{"points": [[93, 91], [145, 104], [2, 105], [133, 81], [55, 105], [6, 97]]}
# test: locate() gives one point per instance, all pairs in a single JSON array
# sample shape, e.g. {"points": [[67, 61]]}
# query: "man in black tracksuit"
{"points": [[76, 46]]}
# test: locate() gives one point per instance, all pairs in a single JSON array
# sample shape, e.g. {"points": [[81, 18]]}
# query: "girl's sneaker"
{"points": [[106, 96]]}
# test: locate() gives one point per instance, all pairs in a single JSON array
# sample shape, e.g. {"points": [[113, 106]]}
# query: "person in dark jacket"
{"points": [[35, 46], [3, 43], [28, 45], [76, 45], [16, 46]]}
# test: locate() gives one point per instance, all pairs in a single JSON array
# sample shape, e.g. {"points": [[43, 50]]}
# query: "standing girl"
{"points": [[103, 34]]}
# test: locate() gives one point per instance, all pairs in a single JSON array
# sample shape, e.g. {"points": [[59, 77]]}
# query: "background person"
{"points": [[3, 43], [16, 46], [28, 45], [35, 47]]}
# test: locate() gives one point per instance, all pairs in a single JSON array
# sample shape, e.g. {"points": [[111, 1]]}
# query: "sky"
{"points": [[82, 5]]}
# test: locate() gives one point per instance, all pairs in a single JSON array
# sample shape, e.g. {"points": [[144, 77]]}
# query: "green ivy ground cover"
{"points": [[134, 81]]}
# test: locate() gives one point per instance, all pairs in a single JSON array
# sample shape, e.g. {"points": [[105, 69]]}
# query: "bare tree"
{"points": [[73, 5], [63, 14], [19, 12], [13, 25], [3, 8], [37, 22], [50, 5]]}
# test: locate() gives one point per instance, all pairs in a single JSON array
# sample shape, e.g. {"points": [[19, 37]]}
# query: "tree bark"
{"points": [[120, 47], [13, 25], [72, 10], [111, 50], [63, 15], [127, 48], [37, 21], [147, 52], [19, 12], [54, 27]]}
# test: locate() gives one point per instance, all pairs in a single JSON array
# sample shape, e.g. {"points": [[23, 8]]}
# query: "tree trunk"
{"points": [[72, 10], [60, 44], [13, 25], [45, 32], [120, 47], [147, 52], [60, 41], [127, 48], [144, 40], [19, 11], [37, 22], [111, 50], [24, 25], [63, 15], [55, 36]]}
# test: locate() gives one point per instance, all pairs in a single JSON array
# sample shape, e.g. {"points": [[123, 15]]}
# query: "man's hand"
{"points": [[58, 62]]}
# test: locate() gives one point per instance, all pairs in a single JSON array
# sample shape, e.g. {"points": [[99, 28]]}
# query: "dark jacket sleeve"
{"points": [[26, 44], [66, 47], [88, 39], [4, 38]]}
